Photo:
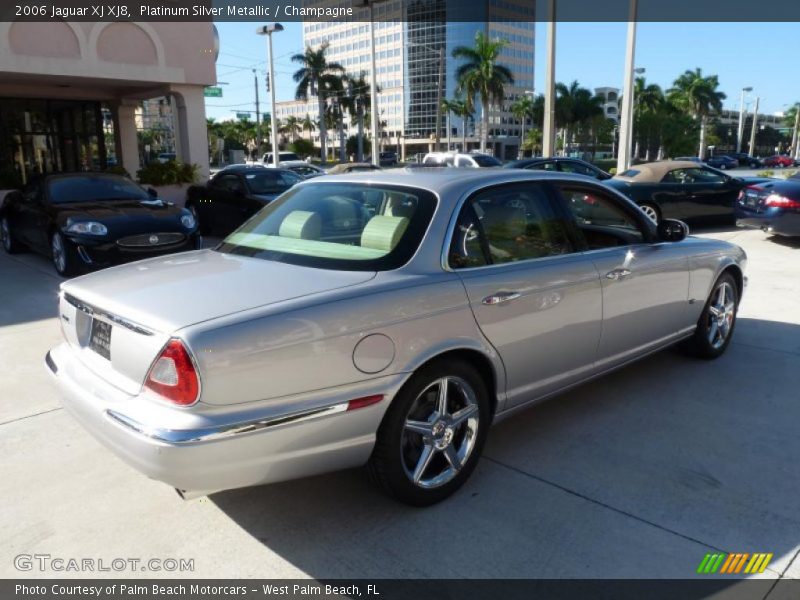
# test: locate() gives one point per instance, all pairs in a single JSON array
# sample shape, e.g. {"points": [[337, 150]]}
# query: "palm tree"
{"points": [[699, 96], [481, 75], [291, 127], [317, 76], [358, 92], [576, 107], [648, 100], [522, 110], [455, 107]]}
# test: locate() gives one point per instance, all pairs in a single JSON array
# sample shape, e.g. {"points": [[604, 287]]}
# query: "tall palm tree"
{"points": [[454, 107], [481, 75], [699, 96], [648, 100], [576, 107], [522, 109], [317, 76], [358, 92], [291, 127]]}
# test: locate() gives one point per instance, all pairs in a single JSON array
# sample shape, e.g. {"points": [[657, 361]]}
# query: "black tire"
{"points": [[71, 261], [649, 206], [396, 445], [701, 344], [10, 245]]}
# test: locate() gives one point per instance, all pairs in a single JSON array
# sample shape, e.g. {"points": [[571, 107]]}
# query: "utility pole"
{"points": [[373, 87], [549, 128], [439, 94], [258, 118], [268, 30], [740, 135], [626, 118], [795, 150], [755, 128]]}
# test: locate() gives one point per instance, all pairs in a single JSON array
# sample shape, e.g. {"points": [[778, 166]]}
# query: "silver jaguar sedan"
{"points": [[382, 318]]}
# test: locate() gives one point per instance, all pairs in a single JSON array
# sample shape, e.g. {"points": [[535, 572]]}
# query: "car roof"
{"points": [[654, 172], [448, 181]]}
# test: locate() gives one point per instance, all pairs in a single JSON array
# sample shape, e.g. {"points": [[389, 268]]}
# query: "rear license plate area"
{"points": [[100, 338]]}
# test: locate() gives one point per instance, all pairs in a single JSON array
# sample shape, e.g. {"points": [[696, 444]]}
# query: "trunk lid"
{"points": [[145, 302]]}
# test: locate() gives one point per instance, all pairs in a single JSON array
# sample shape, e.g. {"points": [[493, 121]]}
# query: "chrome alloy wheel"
{"points": [[721, 313], [5, 233], [650, 212], [59, 253], [439, 433]]}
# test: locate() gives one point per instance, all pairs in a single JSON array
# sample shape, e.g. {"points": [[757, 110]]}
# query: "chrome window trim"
{"points": [[106, 317], [207, 434]]}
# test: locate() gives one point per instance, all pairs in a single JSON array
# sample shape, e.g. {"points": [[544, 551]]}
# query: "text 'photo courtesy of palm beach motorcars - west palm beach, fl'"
{"points": [[319, 274]]}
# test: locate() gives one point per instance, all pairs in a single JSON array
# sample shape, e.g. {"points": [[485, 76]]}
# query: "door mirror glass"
{"points": [[672, 230]]}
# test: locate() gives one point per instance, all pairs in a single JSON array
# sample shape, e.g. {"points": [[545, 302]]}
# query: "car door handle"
{"points": [[500, 298], [618, 274]]}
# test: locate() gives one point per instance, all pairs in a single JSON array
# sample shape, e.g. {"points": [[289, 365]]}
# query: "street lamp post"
{"points": [[549, 126], [268, 30], [740, 133], [755, 128], [626, 118]]}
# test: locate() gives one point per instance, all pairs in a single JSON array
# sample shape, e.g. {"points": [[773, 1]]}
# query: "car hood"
{"points": [[123, 217], [172, 292], [266, 197]]}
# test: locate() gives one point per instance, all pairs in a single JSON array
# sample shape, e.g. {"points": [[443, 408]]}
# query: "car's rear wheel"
{"points": [[65, 257], [717, 321], [651, 210], [723, 166], [10, 245], [432, 435]]}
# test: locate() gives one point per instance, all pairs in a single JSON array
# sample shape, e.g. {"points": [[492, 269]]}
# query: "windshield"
{"points": [[269, 182], [93, 188], [486, 161], [342, 226]]}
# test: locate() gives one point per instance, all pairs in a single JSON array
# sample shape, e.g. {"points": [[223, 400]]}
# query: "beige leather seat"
{"points": [[383, 232]]}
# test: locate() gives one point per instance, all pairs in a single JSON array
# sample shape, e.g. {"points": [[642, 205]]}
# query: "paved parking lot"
{"points": [[636, 475]]}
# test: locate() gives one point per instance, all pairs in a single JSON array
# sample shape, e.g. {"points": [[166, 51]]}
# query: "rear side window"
{"points": [[507, 224]]}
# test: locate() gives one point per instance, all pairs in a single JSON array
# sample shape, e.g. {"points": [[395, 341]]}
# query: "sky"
{"points": [[758, 55]]}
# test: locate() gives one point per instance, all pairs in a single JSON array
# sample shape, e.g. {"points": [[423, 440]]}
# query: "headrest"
{"points": [[383, 232], [302, 225]]}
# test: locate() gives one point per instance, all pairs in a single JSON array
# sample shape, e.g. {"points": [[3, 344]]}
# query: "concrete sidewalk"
{"points": [[638, 474]]}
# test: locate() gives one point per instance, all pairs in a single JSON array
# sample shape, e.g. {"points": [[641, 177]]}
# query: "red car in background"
{"points": [[778, 161]]}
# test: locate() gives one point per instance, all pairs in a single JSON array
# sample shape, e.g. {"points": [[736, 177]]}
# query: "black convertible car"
{"points": [[682, 190], [235, 194], [85, 220]]}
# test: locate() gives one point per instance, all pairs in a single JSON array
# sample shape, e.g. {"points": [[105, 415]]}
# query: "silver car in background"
{"points": [[383, 318]]}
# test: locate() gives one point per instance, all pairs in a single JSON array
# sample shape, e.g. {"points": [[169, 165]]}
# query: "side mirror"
{"points": [[152, 193], [672, 230]]}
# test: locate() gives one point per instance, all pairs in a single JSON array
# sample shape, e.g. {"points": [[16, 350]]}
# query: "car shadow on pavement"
{"points": [[637, 474], [788, 242], [25, 297]]}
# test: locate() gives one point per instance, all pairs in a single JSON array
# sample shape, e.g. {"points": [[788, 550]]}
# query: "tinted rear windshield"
{"points": [[340, 226], [93, 188]]}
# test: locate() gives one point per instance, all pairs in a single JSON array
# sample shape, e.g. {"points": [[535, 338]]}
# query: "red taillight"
{"points": [[173, 375], [778, 201], [363, 402]]}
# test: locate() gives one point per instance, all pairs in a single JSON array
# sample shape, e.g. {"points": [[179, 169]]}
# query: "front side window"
{"points": [[270, 181], [571, 167], [507, 224], [601, 221], [543, 166], [344, 226], [694, 175]]}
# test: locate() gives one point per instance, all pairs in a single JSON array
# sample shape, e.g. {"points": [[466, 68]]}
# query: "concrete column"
{"points": [[191, 132], [126, 141]]}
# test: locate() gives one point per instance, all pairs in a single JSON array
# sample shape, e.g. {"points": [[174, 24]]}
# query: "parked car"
{"points": [[773, 206], [382, 318], [235, 194], [470, 160], [387, 159], [352, 168], [305, 170], [89, 220], [681, 190], [722, 162], [746, 160], [778, 160], [282, 157], [166, 157], [565, 165]]}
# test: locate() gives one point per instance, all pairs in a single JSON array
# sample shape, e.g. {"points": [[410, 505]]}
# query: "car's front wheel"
{"points": [[10, 245], [432, 435], [651, 210], [717, 321], [65, 257]]}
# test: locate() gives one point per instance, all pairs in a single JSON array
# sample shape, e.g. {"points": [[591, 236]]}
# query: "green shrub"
{"points": [[612, 171], [168, 173], [302, 147], [766, 173]]}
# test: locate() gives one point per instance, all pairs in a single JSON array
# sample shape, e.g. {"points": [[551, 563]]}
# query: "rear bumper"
{"points": [[210, 449], [772, 220]]}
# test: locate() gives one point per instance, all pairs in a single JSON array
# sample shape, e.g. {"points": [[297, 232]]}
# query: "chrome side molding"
{"points": [[102, 315]]}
